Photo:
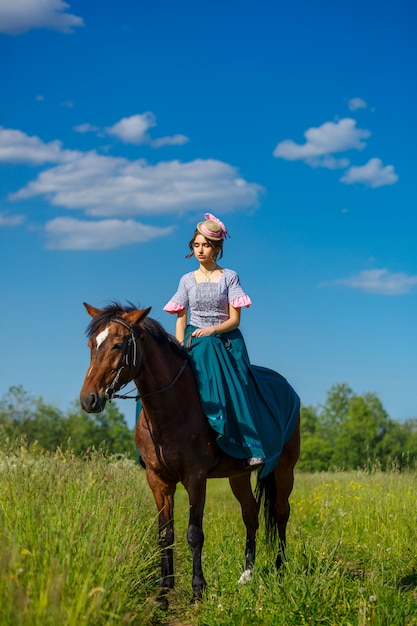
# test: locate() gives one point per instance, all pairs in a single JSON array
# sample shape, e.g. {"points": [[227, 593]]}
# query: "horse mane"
{"points": [[156, 330], [159, 333]]}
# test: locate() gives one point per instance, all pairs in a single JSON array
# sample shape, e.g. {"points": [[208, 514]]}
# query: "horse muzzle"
{"points": [[93, 402]]}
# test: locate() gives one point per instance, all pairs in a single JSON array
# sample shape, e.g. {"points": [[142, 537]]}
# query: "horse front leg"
{"points": [[195, 536], [164, 499], [242, 490]]}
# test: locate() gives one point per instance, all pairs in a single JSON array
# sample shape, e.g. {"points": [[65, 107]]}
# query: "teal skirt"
{"points": [[253, 410]]}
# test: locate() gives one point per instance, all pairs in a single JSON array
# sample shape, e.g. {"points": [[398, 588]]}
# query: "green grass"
{"points": [[76, 540], [78, 546]]}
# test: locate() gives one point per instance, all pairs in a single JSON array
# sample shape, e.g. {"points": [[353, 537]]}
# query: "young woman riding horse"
{"points": [[176, 441]]}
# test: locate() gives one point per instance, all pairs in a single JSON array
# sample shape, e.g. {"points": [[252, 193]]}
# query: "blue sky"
{"points": [[122, 123]]}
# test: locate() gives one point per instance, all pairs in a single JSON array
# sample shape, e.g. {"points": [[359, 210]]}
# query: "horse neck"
{"points": [[158, 368], [173, 407]]}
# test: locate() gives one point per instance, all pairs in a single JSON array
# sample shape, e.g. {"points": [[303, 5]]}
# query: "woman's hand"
{"points": [[225, 327], [203, 332]]}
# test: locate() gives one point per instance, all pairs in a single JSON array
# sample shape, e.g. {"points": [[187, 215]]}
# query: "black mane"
{"points": [[115, 310]]}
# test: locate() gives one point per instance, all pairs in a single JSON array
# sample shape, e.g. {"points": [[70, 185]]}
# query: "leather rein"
{"points": [[130, 359]]}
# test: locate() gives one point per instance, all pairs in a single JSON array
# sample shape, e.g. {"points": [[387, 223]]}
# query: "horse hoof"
{"points": [[195, 599], [246, 577], [161, 602]]}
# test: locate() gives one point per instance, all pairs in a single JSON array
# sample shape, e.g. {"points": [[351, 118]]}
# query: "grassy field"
{"points": [[78, 546]]}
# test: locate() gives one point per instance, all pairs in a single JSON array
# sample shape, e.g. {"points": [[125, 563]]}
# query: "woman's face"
{"points": [[203, 251]]}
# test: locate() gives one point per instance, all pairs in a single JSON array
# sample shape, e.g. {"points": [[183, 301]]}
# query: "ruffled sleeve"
{"points": [[179, 300], [236, 296], [239, 303], [173, 307]]}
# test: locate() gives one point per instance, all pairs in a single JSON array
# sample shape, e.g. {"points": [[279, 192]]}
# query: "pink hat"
{"points": [[212, 228]]}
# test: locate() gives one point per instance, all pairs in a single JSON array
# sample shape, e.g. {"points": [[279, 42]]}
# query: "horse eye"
{"points": [[117, 346]]}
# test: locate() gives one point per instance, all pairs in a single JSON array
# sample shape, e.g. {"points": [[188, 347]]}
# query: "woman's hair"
{"points": [[217, 246]]}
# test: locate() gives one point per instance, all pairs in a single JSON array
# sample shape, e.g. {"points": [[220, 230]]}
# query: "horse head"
{"points": [[114, 333]]}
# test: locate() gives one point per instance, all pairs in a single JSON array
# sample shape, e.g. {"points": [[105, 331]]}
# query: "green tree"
{"points": [[360, 433], [46, 425], [21, 415], [80, 430], [15, 406], [113, 430], [408, 442], [107, 430], [395, 449], [351, 431], [316, 450], [336, 408]]}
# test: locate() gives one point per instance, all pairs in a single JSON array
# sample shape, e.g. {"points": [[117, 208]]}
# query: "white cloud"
{"points": [[335, 137], [17, 147], [134, 130], [356, 103], [330, 162], [373, 174], [106, 186], [86, 128], [321, 142], [20, 16], [174, 140], [380, 281], [66, 233], [11, 220]]}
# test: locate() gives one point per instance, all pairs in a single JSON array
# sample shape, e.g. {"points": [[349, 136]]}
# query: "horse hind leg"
{"points": [[275, 490], [242, 490], [284, 483]]}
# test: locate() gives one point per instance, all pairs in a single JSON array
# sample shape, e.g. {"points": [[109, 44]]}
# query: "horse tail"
{"points": [[266, 496]]}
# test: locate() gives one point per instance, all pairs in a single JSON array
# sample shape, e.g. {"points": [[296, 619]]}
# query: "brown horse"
{"points": [[174, 438]]}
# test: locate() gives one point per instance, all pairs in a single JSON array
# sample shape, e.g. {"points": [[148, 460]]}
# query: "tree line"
{"points": [[351, 431], [23, 416], [348, 431]]}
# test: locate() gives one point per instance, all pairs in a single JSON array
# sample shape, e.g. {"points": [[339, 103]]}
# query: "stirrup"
{"points": [[254, 462]]}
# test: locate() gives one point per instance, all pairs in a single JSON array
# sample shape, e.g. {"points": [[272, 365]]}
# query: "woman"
{"points": [[241, 401]]}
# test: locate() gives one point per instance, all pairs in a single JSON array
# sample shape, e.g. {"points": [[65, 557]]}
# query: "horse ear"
{"points": [[91, 310], [137, 316]]}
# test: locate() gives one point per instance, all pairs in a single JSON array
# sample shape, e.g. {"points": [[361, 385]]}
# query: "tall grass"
{"points": [[78, 546], [352, 557], [76, 540]]}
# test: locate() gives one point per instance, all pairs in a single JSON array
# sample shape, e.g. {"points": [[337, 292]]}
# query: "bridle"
{"points": [[129, 358]]}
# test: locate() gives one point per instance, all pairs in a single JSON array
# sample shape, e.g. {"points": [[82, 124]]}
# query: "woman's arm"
{"points": [[181, 325], [231, 324]]}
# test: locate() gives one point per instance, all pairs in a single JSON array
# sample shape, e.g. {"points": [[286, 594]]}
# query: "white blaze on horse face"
{"points": [[101, 337]]}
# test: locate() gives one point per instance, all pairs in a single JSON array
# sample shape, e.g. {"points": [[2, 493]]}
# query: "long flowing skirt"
{"points": [[253, 410]]}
